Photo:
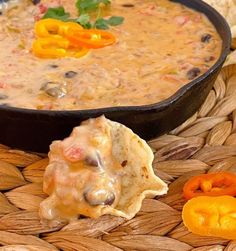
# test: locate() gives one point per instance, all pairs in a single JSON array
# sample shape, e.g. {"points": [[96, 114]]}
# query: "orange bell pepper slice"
{"points": [[56, 47], [211, 184], [211, 216], [92, 38]]}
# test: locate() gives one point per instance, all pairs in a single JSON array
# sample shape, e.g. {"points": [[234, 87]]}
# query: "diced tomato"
{"points": [[37, 18], [74, 153], [172, 78], [152, 7], [185, 66], [3, 85], [178, 32], [190, 42], [181, 20], [150, 10], [198, 18], [42, 8]]}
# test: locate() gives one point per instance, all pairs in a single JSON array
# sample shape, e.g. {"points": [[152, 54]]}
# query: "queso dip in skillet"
{"points": [[161, 46]]}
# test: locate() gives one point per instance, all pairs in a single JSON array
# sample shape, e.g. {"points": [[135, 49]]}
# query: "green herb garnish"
{"points": [[85, 9], [85, 6], [84, 20], [104, 24], [57, 13]]}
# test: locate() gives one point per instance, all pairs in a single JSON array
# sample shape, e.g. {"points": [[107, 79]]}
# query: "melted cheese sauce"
{"points": [[161, 46]]}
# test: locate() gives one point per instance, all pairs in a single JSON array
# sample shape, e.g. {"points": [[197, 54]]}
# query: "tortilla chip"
{"points": [[229, 69], [140, 180], [227, 8], [231, 59], [233, 31], [129, 158]]}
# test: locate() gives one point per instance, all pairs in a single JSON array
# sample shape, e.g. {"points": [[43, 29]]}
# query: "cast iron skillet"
{"points": [[34, 130]]}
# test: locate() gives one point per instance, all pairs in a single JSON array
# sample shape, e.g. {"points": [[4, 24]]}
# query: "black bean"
{"points": [[94, 161], [44, 86], [48, 85], [110, 199], [36, 1], [56, 92], [3, 96], [54, 66], [128, 5], [91, 161], [99, 197], [209, 59], [193, 73], [124, 163], [70, 74], [206, 38]]}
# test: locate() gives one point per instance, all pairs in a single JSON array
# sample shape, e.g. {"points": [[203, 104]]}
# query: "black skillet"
{"points": [[35, 129]]}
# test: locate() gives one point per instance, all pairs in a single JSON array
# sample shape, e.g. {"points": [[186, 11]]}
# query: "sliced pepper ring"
{"points": [[93, 38], [211, 184], [47, 27], [56, 47], [77, 52], [51, 27], [63, 29], [211, 216]]}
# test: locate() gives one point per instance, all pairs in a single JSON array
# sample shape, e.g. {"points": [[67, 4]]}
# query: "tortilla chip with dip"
{"points": [[227, 8], [101, 168]]}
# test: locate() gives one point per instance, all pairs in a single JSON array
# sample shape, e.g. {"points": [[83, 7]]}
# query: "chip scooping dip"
{"points": [[101, 168]]}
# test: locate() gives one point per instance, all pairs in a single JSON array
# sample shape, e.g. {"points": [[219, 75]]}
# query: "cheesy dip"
{"points": [[160, 47]]}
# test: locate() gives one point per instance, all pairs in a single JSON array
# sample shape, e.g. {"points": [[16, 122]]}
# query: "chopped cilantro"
{"points": [[101, 24], [104, 24], [84, 20], [115, 20], [57, 13], [84, 6]]}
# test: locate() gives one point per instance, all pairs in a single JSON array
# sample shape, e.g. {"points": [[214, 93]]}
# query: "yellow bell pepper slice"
{"points": [[56, 47], [53, 27], [211, 216]]}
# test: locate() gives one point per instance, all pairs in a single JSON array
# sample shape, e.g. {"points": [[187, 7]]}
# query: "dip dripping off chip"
{"points": [[101, 168]]}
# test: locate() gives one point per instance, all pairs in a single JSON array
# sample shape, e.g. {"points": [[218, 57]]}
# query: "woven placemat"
{"points": [[206, 142]]}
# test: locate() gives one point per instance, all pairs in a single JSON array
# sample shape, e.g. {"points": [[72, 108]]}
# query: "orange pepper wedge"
{"points": [[92, 38], [56, 47], [211, 216], [211, 184]]}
